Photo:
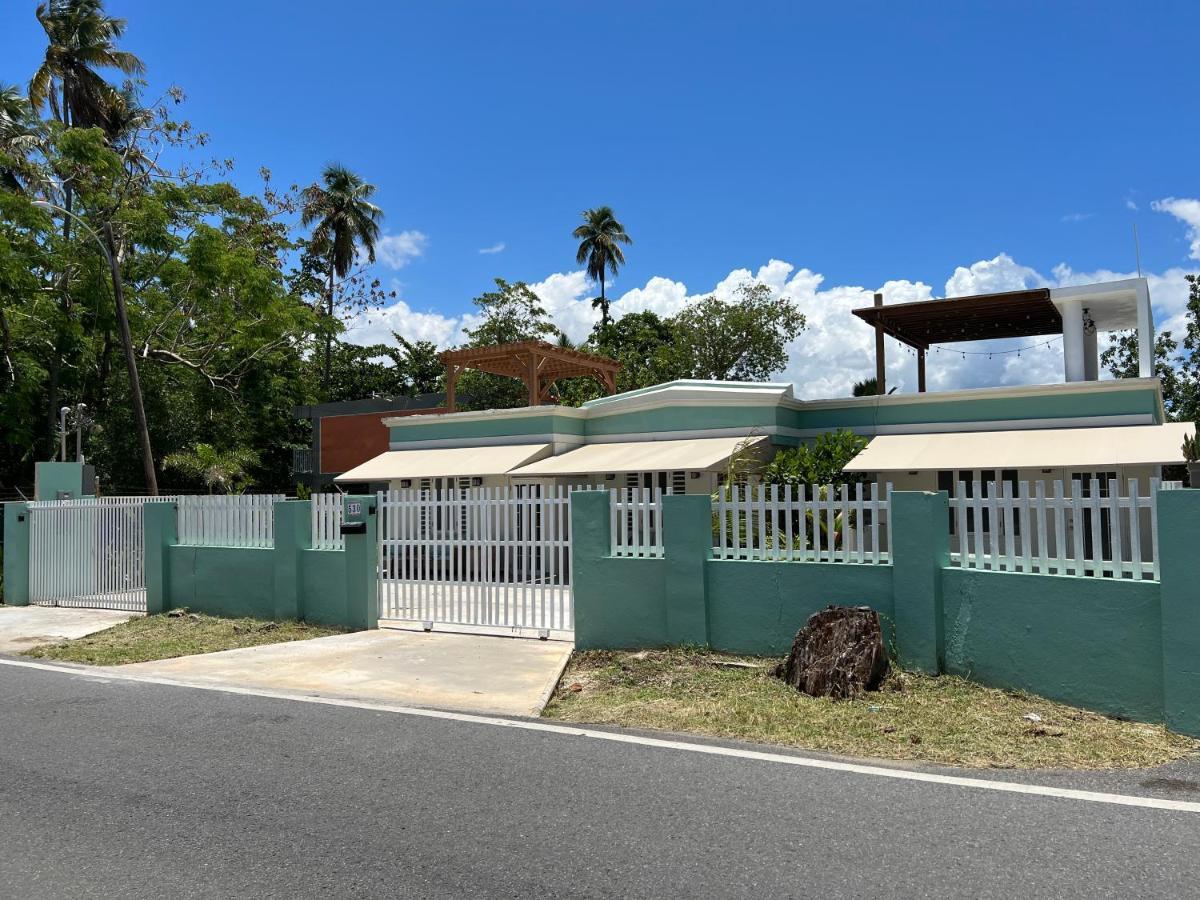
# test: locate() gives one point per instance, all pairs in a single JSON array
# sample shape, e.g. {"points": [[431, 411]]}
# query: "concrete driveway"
{"points": [[446, 671], [22, 627]]}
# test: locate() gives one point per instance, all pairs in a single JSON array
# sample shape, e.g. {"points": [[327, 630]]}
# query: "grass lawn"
{"points": [[177, 633], [942, 720]]}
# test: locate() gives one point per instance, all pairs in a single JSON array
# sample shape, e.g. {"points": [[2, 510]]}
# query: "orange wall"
{"points": [[348, 441]]}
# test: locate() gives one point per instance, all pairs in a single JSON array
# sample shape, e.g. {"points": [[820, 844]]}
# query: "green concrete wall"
{"points": [[323, 591], [1091, 642], [288, 581], [222, 581], [1125, 648], [757, 607], [16, 554]]}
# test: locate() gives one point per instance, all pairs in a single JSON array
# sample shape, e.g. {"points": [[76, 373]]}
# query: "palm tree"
{"points": [[222, 471], [345, 220], [20, 135], [868, 387], [82, 40], [600, 237]]}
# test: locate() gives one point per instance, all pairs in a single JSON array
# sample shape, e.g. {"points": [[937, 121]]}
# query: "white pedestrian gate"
{"points": [[89, 552], [493, 560]]}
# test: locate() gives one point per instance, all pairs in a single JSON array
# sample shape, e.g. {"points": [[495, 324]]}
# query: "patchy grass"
{"points": [[941, 720], [176, 633]]}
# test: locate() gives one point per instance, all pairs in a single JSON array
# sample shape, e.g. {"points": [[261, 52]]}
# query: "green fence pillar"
{"points": [[362, 560], [1179, 590], [159, 522], [920, 535], [591, 536], [687, 545], [16, 554], [293, 534]]}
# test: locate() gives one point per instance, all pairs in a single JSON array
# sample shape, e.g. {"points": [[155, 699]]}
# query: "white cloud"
{"points": [[837, 348], [397, 250], [1187, 211], [495, 248], [376, 326], [1002, 273]]}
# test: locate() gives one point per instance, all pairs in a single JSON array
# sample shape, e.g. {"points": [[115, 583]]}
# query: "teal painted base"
{"points": [[757, 607]]}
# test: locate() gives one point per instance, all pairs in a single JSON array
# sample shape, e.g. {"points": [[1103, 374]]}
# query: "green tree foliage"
{"points": [[868, 387], [509, 314], [384, 370], [600, 238], [221, 471], [741, 340], [822, 462]]}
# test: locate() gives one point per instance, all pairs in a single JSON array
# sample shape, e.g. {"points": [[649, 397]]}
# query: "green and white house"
{"points": [[679, 436]]}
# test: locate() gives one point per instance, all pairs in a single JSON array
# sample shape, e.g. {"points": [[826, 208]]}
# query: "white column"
{"points": [[1073, 349], [1145, 331], [1091, 356]]}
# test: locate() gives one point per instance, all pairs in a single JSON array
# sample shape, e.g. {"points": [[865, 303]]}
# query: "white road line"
{"points": [[1009, 787]]}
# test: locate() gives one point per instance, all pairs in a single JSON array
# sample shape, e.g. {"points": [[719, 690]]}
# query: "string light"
{"points": [[990, 353]]}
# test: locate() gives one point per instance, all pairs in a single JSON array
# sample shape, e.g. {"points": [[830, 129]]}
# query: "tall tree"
{"points": [[600, 238], [740, 340], [346, 220], [82, 39]]}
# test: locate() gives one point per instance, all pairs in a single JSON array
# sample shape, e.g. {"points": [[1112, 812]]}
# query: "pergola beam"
{"points": [[536, 364]]}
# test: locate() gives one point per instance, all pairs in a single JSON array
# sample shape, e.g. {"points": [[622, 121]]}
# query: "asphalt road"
{"points": [[114, 788]]}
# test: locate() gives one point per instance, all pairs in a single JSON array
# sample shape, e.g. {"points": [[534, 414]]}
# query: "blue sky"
{"points": [[869, 143]]}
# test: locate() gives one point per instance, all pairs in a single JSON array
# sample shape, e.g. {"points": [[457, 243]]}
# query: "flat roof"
{"points": [[978, 318]]}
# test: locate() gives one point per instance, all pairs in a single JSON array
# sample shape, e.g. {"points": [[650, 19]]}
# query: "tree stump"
{"points": [[839, 653]]}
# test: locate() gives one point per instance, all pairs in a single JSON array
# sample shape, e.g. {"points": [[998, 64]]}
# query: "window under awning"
{"points": [[445, 462], [695, 455], [1047, 448]]}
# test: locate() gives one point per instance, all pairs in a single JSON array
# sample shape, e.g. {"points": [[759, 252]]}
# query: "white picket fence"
{"points": [[635, 525], [228, 520], [804, 523], [327, 522], [1092, 530], [88, 552]]}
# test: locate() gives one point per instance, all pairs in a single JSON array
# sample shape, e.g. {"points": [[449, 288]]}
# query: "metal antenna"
{"points": [[62, 432], [1137, 250], [79, 420]]}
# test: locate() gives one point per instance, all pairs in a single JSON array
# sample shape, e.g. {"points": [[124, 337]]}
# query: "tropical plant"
{"points": [[21, 134], [1191, 447], [82, 39], [346, 221], [600, 238], [822, 462], [221, 471], [868, 387]]}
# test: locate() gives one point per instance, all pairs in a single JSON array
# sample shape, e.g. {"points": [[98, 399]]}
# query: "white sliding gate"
{"points": [[493, 560], [88, 553]]}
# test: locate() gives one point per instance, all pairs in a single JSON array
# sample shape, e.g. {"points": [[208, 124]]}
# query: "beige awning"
{"points": [[697, 455], [1046, 448], [447, 461]]}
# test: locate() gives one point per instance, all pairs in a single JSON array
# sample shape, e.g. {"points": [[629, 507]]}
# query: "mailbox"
{"points": [[354, 522]]}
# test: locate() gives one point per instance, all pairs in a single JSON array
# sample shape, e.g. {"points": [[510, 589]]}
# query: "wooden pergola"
{"points": [[536, 363], [979, 318]]}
